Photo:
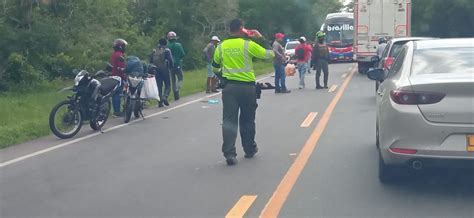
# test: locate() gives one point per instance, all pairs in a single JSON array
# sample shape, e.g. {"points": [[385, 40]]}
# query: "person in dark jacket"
{"points": [[321, 60], [162, 58], [117, 60]]}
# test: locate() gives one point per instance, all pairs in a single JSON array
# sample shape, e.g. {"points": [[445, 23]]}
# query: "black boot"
{"points": [[176, 96], [231, 161], [209, 85]]}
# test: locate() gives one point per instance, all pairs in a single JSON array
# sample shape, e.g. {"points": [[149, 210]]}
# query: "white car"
{"points": [[425, 107], [290, 48]]}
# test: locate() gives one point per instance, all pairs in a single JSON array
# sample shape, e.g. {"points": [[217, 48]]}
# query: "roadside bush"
{"points": [[20, 74], [58, 65]]}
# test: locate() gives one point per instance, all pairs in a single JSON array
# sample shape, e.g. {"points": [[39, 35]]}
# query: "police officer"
{"points": [[233, 63]]}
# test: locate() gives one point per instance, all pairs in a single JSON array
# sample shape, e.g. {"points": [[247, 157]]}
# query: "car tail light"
{"points": [[388, 63], [415, 97], [403, 151]]}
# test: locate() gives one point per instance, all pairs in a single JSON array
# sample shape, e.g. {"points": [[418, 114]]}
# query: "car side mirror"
{"points": [[376, 74], [375, 59]]}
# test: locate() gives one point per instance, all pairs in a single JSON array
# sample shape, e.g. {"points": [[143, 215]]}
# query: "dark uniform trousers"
{"points": [[322, 65], [239, 96]]}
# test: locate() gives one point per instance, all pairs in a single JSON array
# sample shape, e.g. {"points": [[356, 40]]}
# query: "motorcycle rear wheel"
{"points": [[99, 121]]}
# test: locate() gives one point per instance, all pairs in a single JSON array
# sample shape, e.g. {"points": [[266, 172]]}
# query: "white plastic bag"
{"points": [[150, 89]]}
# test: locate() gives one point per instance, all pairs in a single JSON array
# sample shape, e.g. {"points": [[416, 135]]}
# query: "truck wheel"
{"points": [[361, 67]]}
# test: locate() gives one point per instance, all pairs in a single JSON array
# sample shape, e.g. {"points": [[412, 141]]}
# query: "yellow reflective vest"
{"points": [[234, 57]]}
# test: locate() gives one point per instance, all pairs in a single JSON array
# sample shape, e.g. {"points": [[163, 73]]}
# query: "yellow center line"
{"points": [[274, 205], [241, 207], [333, 88], [309, 119]]}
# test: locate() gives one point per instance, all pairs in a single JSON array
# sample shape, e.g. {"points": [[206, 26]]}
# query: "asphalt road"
{"points": [[170, 165]]}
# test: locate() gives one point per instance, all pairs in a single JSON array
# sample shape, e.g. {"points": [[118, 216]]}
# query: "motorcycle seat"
{"points": [[107, 85]]}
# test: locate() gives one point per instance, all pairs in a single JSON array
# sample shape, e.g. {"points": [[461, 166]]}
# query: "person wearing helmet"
{"points": [[208, 56], [321, 59], [117, 61], [381, 46], [302, 53], [178, 54]]}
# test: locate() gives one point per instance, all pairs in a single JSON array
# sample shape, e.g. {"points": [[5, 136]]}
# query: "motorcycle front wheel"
{"points": [[102, 116], [139, 108], [64, 120], [129, 108]]}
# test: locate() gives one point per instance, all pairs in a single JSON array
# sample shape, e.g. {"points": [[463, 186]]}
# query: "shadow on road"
{"points": [[442, 181]]}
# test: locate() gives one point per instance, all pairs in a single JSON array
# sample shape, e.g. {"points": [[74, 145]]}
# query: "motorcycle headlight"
{"points": [[134, 81], [79, 77]]}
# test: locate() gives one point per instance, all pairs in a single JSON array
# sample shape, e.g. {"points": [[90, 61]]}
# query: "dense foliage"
{"points": [[441, 18], [42, 40]]}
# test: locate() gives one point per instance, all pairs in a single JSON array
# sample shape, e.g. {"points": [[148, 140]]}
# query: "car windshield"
{"points": [[443, 60], [340, 37], [291, 45]]}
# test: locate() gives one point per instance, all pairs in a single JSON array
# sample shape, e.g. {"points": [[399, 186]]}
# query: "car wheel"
{"points": [[387, 173]]}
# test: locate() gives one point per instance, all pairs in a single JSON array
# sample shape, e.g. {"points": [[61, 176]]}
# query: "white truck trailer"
{"points": [[374, 19]]}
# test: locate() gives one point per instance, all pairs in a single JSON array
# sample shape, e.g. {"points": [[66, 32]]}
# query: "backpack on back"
{"points": [[159, 58], [300, 53]]}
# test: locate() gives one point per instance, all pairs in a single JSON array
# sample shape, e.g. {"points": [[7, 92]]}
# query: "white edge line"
{"points": [[18, 159]]}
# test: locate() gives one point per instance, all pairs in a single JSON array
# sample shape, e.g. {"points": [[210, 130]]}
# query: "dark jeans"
{"points": [[322, 65], [177, 73], [163, 78], [237, 97], [117, 99], [279, 77]]}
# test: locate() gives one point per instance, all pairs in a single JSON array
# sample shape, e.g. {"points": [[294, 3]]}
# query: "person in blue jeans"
{"points": [[279, 64], [302, 53], [117, 60]]}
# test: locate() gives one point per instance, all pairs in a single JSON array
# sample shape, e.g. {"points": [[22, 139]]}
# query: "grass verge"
{"points": [[24, 117]]}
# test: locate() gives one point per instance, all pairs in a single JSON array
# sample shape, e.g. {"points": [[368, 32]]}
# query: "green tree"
{"points": [[293, 17], [441, 18]]}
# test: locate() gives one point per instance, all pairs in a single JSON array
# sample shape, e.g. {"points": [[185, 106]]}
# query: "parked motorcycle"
{"points": [[90, 101], [133, 102]]}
